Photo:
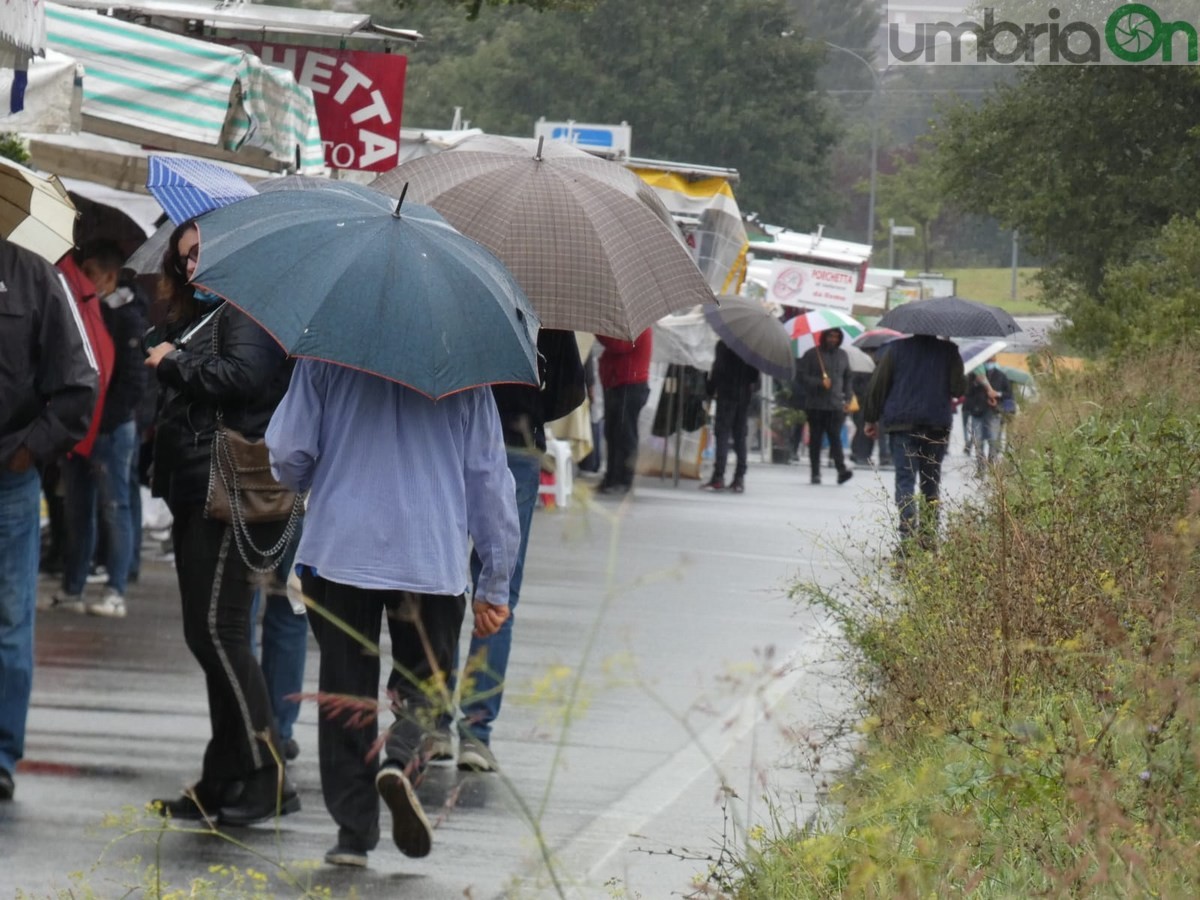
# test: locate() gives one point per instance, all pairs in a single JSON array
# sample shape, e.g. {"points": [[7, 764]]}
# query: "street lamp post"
{"points": [[874, 136]]}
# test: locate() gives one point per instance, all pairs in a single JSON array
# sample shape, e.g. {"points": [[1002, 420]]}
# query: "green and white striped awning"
{"points": [[171, 91]]}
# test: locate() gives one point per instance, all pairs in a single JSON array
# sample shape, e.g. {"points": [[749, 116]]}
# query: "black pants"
{"points": [[861, 446], [825, 423], [217, 591], [733, 410], [424, 631], [621, 408]]}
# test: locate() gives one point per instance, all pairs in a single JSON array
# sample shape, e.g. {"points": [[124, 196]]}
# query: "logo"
{"points": [[1133, 34]]}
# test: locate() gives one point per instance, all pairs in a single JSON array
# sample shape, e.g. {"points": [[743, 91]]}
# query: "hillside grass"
{"points": [[995, 286], [1032, 725]]}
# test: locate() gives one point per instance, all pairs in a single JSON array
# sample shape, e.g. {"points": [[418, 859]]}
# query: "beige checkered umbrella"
{"points": [[591, 244], [35, 211]]}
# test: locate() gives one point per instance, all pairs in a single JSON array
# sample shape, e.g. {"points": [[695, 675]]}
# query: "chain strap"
{"points": [[227, 471]]}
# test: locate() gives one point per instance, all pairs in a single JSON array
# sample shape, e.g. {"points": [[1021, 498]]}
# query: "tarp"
{"points": [[717, 237], [176, 93], [53, 97]]}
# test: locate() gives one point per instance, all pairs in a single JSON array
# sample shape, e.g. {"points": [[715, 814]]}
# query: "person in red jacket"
{"points": [[625, 376]]}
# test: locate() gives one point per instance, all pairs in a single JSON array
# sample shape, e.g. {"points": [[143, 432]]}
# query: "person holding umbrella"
{"points": [[825, 372], [732, 381], [217, 365], [910, 398]]}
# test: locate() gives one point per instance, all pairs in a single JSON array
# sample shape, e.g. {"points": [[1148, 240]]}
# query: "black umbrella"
{"points": [[753, 333], [951, 317]]}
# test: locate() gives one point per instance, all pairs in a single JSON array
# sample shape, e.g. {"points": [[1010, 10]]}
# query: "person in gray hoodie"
{"points": [[825, 373]]}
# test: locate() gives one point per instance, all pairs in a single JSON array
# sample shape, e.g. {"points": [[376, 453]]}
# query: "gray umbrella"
{"points": [[950, 317], [590, 242], [147, 259], [750, 330]]}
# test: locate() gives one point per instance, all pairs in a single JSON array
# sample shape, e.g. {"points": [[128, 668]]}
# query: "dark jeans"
{"points": [[733, 410], [861, 446], [487, 658], [216, 589], [346, 734], [284, 642], [19, 520], [103, 477], [621, 408], [825, 423], [917, 456]]}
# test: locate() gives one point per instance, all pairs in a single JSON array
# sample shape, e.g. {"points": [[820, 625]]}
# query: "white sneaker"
{"points": [[99, 576], [111, 606], [62, 601], [474, 756]]}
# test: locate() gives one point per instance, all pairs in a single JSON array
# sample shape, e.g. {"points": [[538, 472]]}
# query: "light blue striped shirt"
{"points": [[397, 482]]}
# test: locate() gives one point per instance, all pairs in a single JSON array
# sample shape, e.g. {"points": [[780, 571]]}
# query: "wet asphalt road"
{"points": [[699, 671]]}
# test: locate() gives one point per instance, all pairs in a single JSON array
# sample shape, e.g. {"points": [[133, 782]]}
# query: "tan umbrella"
{"points": [[35, 211], [590, 242]]}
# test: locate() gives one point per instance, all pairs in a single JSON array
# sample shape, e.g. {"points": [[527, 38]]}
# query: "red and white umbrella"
{"points": [[804, 328]]}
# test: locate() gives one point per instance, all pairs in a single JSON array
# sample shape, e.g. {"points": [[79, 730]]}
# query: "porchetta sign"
{"points": [[358, 95], [804, 284]]}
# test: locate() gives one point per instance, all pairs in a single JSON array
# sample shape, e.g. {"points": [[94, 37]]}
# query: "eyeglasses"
{"points": [[192, 256]]}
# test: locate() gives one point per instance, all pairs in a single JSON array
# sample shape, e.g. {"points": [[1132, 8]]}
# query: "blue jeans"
{"points": [[20, 499], [284, 645], [487, 659], [917, 456], [135, 514], [105, 474], [985, 429]]}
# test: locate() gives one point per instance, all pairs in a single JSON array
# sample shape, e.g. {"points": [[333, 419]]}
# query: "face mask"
{"points": [[206, 296]]}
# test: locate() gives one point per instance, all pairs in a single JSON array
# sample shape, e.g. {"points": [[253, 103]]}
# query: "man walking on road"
{"points": [[397, 484], [48, 383], [910, 399]]}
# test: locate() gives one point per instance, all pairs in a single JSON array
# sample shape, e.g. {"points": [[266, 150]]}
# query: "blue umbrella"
{"points": [[186, 188], [352, 278]]}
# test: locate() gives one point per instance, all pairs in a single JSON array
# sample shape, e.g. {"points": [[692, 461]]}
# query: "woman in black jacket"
{"points": [[825, 373], [217, 360]]}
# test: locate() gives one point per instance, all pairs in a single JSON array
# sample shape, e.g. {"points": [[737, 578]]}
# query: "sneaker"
{"points": [[411, 831], [717, 484], [845, 475], [7, 787], [438, 746], [111, 606], [341, 855], [67, 602], [736, 486], [290, 749], [98, 575], [474, 756]]}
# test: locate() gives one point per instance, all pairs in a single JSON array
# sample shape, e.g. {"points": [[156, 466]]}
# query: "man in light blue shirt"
{"points": [[397, 484]]}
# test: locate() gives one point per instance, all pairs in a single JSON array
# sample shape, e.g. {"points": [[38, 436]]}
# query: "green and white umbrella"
{"points": [[35, 211]]}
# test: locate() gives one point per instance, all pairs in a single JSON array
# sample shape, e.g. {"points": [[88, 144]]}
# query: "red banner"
{"points": [[359, 96]]}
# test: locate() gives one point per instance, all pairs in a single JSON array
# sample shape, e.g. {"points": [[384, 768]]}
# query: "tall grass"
{"points": [[1034, 723]]}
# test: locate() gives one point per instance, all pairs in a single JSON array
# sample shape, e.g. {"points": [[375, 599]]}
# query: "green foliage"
{"points": [[912, 195], [1035, 723], [1147, 302], [474, 7], [1086, 161], [12, 147], [724, 84]]}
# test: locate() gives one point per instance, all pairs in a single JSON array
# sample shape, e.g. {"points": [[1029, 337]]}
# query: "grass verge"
{"points": [[995, 286], [1034, 724]]}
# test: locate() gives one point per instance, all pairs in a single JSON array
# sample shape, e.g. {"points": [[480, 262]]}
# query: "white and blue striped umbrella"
{"points": [[186, 188]]}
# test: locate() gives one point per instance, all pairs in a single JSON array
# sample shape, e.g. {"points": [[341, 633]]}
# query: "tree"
{"points": [[473, 7], [714, 82], [913, 195], [1087, 161]]}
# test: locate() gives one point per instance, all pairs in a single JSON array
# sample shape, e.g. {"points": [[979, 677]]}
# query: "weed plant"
{"points": [[1034, 724]]}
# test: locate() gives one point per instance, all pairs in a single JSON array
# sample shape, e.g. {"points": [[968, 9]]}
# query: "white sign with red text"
{"points": [[805, 284]]}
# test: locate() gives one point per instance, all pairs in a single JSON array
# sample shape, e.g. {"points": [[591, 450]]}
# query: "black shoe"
{"points": [[200, 802], [411, 831], [290, 749], [844, 476], [261, 800], [716, 484], [184, 808], [736, 486], [7, 786], [816, 478]]}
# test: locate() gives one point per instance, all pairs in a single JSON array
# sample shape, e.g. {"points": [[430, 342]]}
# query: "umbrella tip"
{"points": [[400, 200], [538, 156]]}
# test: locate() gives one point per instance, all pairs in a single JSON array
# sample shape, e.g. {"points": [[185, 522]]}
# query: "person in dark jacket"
{"points": [[106, 473], [524, 411], [732, 381], [825, 372], [625, 376], [217, 360], [48, 384], [910, 399]]}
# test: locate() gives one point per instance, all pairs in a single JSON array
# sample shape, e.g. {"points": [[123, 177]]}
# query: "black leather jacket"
{"points": [[245, 379]]}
